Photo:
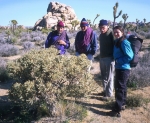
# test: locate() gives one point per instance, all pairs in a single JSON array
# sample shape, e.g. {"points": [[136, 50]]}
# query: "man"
{"points": [[85, 41], [58, 38], [106, 40]]}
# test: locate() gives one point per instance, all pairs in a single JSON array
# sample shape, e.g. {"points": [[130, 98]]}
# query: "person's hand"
{"points": [[62, 42]]}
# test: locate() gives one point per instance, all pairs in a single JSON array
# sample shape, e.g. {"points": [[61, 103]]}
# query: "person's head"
{"points": [[60, 27], [118, 32], [84, 24], [103, 26]]}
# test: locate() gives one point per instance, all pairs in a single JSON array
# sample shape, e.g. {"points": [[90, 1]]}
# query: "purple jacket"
{"points": [[52, 40]]}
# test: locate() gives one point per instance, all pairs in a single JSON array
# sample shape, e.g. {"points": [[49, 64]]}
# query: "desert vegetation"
{"points": [[45, 84]]}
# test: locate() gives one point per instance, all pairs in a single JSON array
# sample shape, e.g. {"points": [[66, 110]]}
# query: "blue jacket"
{"points": [[92, 47], [52, 37], [124, 56]]}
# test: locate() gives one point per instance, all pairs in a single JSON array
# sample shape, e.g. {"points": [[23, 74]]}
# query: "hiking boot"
{"points": [[102, 94], [123, 107], [114, 114]]}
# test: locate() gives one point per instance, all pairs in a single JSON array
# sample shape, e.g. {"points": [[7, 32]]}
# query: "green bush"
{"points": [[43, 77], [3, 72], [136, 101]]}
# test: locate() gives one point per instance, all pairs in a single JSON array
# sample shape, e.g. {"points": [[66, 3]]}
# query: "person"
{"points": [[86, 41], [58, 38], [106, 41], [122, 68]]}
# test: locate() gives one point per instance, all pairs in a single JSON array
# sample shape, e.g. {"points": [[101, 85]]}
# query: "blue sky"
{"points": [[27, 12]]}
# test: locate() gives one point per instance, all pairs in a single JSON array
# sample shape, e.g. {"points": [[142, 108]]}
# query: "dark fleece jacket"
{"points": [[106, 42]]}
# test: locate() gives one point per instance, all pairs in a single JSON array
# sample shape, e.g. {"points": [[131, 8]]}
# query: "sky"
{"points": [[28, 12]]}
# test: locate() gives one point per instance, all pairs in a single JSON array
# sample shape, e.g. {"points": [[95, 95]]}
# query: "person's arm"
{"points": [[47, 42], [67, 42], [76, 48], [94, 43]]}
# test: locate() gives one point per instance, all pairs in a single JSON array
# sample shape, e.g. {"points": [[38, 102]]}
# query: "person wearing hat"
{"points": [[106, 41], [58, 38], [85, 41]]}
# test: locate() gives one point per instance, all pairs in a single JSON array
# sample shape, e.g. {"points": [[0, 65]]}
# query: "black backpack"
{"points": [[136, 45]]}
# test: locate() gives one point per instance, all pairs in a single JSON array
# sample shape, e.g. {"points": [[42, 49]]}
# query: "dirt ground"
{"points": [[98, 108]]}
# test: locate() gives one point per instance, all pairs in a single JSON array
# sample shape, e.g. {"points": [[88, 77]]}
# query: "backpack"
{"points": [[136, 45]]}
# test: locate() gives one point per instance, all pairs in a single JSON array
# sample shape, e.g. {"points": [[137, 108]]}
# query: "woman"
{"points": [[123, 54]]}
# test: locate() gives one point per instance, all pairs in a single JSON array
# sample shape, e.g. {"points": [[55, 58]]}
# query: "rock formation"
{"points": [[56, 11]]}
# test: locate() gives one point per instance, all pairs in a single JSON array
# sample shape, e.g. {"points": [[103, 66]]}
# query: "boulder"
{"points": [[56, 11]]}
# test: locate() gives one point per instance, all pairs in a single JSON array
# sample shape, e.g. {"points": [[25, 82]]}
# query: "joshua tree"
{"points": [[8, 32], [137, 23], [114, 13], [14, 23], [144, 21], [89, 21], [74, 23], [96, 18], [129, 26], [120, 23], [124, 16]]}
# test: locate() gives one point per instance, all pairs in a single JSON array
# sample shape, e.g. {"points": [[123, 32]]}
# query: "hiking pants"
{"points": [[121, 78], [107, 73]]}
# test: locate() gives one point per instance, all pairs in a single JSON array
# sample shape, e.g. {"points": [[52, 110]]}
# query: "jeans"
{"points": [[107, 73]]}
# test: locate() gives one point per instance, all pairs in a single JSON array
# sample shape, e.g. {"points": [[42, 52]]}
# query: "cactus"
{"points": [[124, 16], [96, 18], [115, 11]]}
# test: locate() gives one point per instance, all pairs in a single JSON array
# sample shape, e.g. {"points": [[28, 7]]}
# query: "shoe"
{"points": [[102, 94], [114, 114], [123, 107]]}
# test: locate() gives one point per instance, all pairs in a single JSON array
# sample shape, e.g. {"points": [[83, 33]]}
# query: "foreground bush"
{"points": [[43, 77], [3, 71]]}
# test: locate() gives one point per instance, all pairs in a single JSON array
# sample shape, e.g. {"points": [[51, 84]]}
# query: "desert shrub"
{"points": [[3, 71], [145, 29], [12, 40], [139, 76], [46, 31], [25, 37], [42, 76], [142, 33], [8, 50], [136, 101], [3, 37], [75, 111], [34, 36], [147, 35], [27, 45], [71, 34]]}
